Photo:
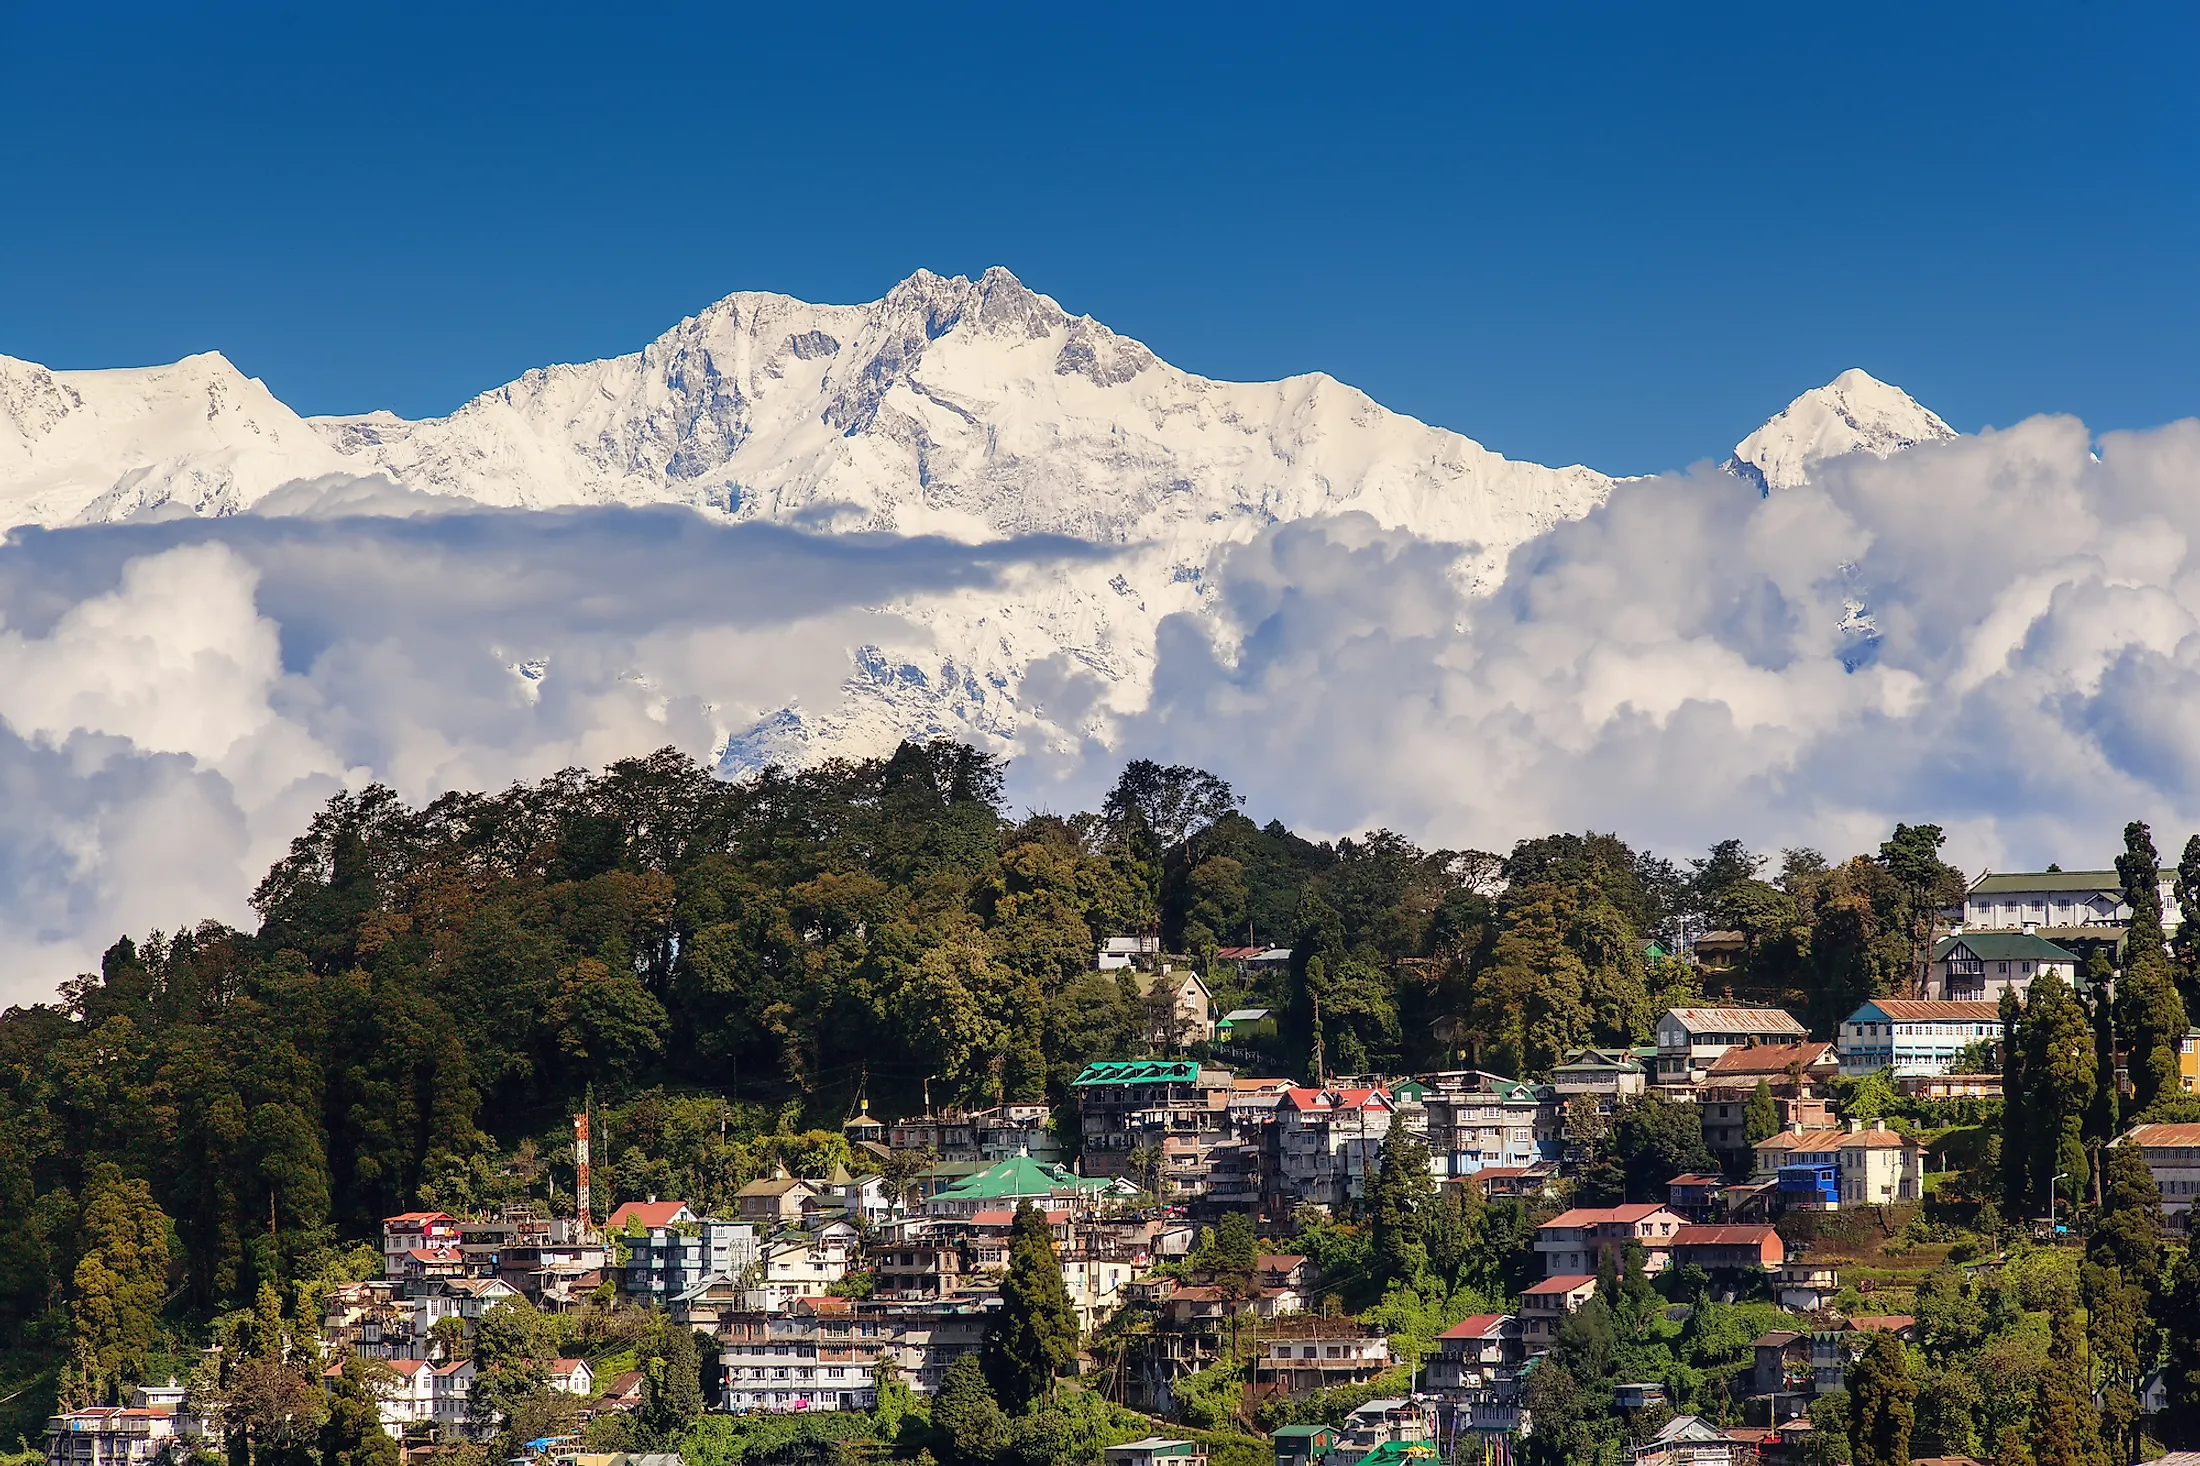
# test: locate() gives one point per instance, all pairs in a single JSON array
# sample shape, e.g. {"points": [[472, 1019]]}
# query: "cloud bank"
{"points": [[1997, 633]]}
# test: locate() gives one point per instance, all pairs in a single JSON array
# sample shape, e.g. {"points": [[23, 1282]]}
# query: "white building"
{"points": [[1474, 1120], [1690, 1040], [1979, 966], [1912, 1037], [1328, 1141], [1573, 1242], [2172, 1154], [2056, 898]]}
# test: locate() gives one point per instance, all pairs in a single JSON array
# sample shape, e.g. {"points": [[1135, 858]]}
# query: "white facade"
{"points": [[2019, 899], [1913, 1037], [1690, 1040], [2172, 1154]]}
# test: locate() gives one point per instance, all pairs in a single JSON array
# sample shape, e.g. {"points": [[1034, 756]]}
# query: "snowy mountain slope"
{"points": [[1854, 413], [968, 409], [96, 446]]}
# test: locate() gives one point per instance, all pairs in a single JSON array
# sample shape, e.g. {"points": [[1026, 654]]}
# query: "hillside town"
{"points": [[1176, 1192]]}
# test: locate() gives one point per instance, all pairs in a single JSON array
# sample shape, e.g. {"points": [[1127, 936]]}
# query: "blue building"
{"points": [[665, 1262]]}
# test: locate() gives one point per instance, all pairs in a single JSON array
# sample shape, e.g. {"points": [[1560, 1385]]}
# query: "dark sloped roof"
{"points": [[2003, 947]]}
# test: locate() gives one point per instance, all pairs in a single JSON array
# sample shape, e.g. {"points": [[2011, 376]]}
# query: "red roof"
{"points": [[1481, 1326], [1277, 1262], [648, 1213], [1563, 1283], [1597, 1216], [1769, 1059], [1336, 1099], [418, 1216], [2166, 1135], [1884, 1323], [1697, 1181], [1729, 1236]]}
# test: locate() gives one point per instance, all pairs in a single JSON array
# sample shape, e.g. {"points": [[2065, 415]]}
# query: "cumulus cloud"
{"points": [[177, 697], [1996, 634]]}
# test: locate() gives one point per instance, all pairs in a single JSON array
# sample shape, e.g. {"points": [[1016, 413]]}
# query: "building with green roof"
{"points": [[1020, 1178], [1978, 967]]}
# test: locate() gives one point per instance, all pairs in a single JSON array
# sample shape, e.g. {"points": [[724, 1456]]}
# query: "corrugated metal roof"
{"points": [[1742, 1020], [2089, 881], [1909, 1010]]}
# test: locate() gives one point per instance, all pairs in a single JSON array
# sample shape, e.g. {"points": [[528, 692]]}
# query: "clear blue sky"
{"points": [[1613, 234]]}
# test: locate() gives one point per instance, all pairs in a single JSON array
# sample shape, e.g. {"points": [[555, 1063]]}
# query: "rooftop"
{"points": [[1991, 946], [1563, 1283], [1761, 1059], [1481, 1326], [2086, 882], [1910, 1010], [1138, 1071], [2166, 1135], [1731, 1020]]}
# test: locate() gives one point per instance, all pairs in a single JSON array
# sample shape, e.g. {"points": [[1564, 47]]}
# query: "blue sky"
{"points": [[1620, 235]]}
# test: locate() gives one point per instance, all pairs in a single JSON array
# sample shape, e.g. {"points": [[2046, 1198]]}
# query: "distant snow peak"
{"points": [[971, 410], [1854, 413]]}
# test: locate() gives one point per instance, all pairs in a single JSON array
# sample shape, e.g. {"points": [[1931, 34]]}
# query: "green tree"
{"points": [[117, 1289], [1761, 1116], [672, 1389], [1402, 1188], [1033, 1337], [353, 1433], [2184, 951], [965, 1415], [1929, 884], [2059, 1075], [2066, 1429], [1882, 1404], [2149, 1013]]}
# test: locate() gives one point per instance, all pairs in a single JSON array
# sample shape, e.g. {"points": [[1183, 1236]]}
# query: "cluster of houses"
{"points": [[813, 1282]]}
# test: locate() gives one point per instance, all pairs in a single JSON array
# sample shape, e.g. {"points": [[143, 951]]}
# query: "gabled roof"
{"points": [[776, 1186], [1597, 1216], [1336, 1099], [1735, 1020], [1481, 1326], [1723, 1236], [1563, 1283], [1833, 1139], [647, 1213], [418, 1216], [2003, 947], [1019, 1176], [1247, 1015]]}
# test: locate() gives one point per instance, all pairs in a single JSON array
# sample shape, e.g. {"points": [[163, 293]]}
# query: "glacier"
{"points": [[972, 410]]}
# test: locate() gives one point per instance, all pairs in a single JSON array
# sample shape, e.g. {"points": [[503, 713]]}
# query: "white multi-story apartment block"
{"points": [[2057, 898], [1913, 1037], [1475, 1120], [2172, 1154], [1327, 1142]]}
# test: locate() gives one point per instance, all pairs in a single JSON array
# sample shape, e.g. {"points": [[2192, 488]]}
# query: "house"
{"points": [[1729, 1249], [1782, 1365], [1327, 1142], [1979, 966], [572, 1377], [1003, 1184], [1694, 1197], [1575, 1240], [420, 1393], [1157, 1450], [663, 1263], [1949, 1086], [1306, 1353], [1798, 1077], [1611, 1074], [1690, 1040], [1179, 1010], [1374, 1432], [777, 1200], [1535, 1182], [1118, 954], [1690, 1440], [1245, 1025], [1303, 1445], [1914, 1037], [1469, 1351], [1544, 1305], [2172, 1156], [1719, 951], [640, 1216], [1855, 1166], [624, 1392], [1805, 1285], [2015, 900], [1640, 1396], [1475, 1121], [415, 1231], [153, 1424], [1166, 1115]]}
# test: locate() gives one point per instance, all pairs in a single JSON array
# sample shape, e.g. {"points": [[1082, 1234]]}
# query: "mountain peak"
{"points": [[1853, 413]]}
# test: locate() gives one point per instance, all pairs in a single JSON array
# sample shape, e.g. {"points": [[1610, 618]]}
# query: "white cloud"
{"points": [[1997, 633]]}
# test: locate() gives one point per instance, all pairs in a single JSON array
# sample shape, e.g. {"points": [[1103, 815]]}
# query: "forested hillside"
{"points": [[431, 993]]}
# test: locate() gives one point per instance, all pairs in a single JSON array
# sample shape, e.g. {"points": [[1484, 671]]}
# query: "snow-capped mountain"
{"points": [[968, 409], [1853, 413]]}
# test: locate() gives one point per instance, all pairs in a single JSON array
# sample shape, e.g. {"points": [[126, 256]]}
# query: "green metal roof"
{"points": [[2003, 947], [1138, 1071], [1301, 1432], [1020, 1176], [2050, 880]]}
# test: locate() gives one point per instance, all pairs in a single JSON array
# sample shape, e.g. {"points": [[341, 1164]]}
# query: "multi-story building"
{"points": [[152, 1426], [1729, 1248], [1476, 1121], [1855, 1166], [2057, 900], [819, 1355], [1006, 1183], [983, 1136], [665, 1262], [1914, 1037], [1610, 1074], [416, 1231], [1307, 1353], [1153, 1121], [1178, 1010], [1470, 1352], [421, 1394], [1798, 1076], [1544, 1306], [1690, 1040], [1575, 1241], [1327, 1143], [2172, 1155], [1979, 966], [540, 1255]]}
